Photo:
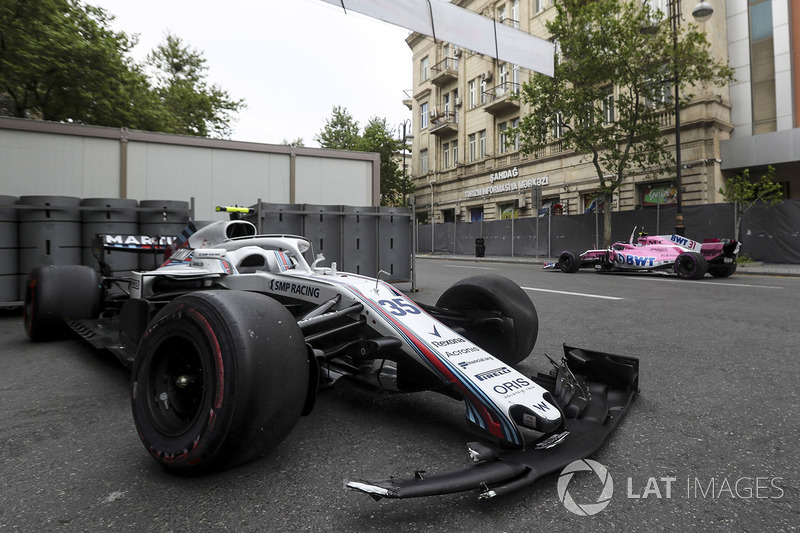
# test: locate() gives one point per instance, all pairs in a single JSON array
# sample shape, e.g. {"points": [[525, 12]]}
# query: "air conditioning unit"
{"points": [[457, 53], [487, 76], [458, 102]]}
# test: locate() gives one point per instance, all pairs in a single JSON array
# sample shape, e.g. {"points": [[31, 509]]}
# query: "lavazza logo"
{"points": [[712, 488]]}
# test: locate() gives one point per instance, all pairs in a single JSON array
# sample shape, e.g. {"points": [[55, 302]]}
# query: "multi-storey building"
{"points": [[462, 104]]}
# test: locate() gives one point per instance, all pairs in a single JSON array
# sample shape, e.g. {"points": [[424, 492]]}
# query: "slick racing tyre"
{"points": [[220, 378], [569, 262], [58, 293], [691, 265], [504, 320], [723, 270]]}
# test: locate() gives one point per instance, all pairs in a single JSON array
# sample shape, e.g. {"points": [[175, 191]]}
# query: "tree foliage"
{"points": [[604, 44], [60, 61], [341, 132], [190, 106], [746, 193]]}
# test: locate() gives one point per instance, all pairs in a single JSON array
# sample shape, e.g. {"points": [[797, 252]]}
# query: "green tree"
{"points": [[378, 138], [340, 131], [603, 44], [746, 193], [60, 61], [190, 106], [297, 142]]}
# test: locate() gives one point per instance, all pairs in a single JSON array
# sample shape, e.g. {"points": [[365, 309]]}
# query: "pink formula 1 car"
{"points": [[660, 253]]}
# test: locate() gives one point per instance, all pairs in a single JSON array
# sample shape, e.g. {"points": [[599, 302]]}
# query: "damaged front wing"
{"points": [[593, 389]]}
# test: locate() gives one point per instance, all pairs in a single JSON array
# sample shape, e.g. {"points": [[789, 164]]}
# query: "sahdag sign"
{"points": [[506, 186]]}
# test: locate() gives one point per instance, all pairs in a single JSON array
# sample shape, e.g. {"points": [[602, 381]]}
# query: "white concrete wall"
{"points": [[40, 158], [58, 165]]}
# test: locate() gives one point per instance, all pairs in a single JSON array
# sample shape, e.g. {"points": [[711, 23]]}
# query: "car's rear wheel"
{"points": [[220, 378], [723, 270], [58, 293], [690, 265], [569, 262], [504, 321]]}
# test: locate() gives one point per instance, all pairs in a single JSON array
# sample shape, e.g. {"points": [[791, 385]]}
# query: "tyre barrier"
{"points": [[111, 216], [49, 233], [164, 218], [9, 249]]}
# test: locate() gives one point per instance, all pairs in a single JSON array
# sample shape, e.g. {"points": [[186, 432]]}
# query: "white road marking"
{"points": [[575, 294], [475, 268], [714, 283]]}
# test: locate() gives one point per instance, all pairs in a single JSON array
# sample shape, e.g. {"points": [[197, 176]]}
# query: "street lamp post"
{"points": [[701, 12], [407, 136]]}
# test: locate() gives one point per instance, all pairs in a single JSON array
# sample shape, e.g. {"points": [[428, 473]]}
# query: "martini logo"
{"points": [[591, 508]]}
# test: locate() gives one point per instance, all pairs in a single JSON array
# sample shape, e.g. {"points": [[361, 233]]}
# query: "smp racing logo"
{"points": [[590, 508]]}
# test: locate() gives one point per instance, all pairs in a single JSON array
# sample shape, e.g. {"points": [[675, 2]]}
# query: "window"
{"points": [[423, 69], [471, 90], [501, 13], [660, 8], [503, 79], [515, 76], [502, 138], [515, 124], [445, 155], [423, 161], [608, 106], [515, 13], [538, 5], [454, 148], [423, 116], [762, 66], [483, 91], [482, 144], [447, 105], [473, 147], [558, 126]]}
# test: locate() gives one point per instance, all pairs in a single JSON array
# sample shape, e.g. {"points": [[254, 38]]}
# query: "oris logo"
{"points": [[512, 386]]}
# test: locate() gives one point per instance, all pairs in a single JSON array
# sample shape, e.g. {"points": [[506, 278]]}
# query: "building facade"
{"points": [[462, 103]]}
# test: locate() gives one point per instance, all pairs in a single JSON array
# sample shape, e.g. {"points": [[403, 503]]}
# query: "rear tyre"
{"points": [[691, 265], [722, 271], [504, 319], [220, 378], [56, 294], [569, 262]]}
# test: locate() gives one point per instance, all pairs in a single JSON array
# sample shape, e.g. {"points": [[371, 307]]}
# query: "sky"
{"points": [[291, 61]]}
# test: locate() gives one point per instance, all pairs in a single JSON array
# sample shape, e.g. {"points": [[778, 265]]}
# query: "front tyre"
{"points": [[504, 319], [691, 265], [569, 262], [56, 294], [220, 378]]}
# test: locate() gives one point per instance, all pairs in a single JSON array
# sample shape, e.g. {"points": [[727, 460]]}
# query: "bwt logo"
{"points": [[489, 374], [585, 509]]}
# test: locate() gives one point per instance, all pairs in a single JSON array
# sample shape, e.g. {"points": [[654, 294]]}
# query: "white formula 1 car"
{"points": [[231, 338]]}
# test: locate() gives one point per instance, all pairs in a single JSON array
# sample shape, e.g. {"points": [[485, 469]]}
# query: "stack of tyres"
{"points": [[394, 244], [109, 216], [162, 220], [9, 250], [360, 243], [49, 232], [322, 225]]}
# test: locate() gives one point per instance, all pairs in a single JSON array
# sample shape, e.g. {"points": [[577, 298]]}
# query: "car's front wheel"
{"points": [[504, 321], [220, 378], [569, 262]]}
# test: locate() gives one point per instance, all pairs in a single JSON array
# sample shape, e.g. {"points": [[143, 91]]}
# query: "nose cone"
{"points": [[543, 417]]}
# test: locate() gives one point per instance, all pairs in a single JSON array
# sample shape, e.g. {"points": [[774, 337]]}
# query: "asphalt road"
{"points": [[711, 443]]}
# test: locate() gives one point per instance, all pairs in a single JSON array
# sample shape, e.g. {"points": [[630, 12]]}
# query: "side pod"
{"points": [[593, 389]]}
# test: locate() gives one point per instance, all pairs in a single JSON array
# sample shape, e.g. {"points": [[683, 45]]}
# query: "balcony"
{"points": [[501, 98], [444, 123], [444, 71]]}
